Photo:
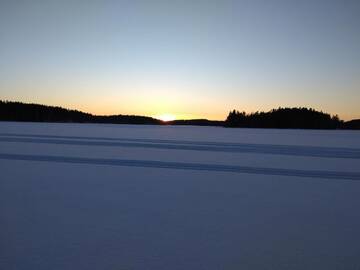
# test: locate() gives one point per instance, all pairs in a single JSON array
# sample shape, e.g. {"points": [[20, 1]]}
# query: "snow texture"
{"points": [[87, 196]]}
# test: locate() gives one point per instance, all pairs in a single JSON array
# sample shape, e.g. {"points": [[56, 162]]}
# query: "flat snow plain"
{"points": [[87, 196]]}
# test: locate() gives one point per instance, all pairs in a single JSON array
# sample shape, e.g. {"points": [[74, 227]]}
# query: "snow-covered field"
{"points": [[85, 196]]}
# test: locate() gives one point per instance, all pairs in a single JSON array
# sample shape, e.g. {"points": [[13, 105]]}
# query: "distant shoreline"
{"points": [[281, 118]]}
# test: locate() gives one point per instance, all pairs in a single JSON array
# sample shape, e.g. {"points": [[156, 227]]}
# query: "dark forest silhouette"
{"points": [[303, 118], [17, 111], [284, 118], [196, 122], [352, 124]]}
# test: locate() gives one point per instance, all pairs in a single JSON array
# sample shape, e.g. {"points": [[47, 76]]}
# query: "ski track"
{"points": [[290, 150], [186, 166]]}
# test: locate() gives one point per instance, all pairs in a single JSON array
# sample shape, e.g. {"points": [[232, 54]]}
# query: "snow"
{"points": [[86, 196]]}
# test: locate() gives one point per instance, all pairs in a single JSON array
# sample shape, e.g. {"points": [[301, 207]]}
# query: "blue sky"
{"points": [[186, 58]]}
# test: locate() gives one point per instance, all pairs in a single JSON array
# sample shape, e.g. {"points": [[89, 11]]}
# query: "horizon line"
{"points": [[169, 113]]}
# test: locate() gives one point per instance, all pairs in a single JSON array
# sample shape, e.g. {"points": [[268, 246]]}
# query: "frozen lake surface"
{"points": [[86, 196]]}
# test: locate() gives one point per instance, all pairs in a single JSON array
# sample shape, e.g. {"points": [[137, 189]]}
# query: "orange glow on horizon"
{"points": [[166, 117]]}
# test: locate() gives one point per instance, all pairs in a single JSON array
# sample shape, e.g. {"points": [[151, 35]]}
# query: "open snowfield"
{"points": [[86, 196]]}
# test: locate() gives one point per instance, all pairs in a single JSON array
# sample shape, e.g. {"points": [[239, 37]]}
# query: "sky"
{"points": [[189, 59]]}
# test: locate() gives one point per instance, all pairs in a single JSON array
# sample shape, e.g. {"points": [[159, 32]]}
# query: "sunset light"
{"points": [[166, 117]]}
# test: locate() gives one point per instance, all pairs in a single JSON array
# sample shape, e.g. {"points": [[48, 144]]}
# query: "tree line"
{"points": [[303, 118], [23, 112]]}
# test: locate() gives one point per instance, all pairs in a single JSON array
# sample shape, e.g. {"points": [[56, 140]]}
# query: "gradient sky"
{"points": [[188, 58]]}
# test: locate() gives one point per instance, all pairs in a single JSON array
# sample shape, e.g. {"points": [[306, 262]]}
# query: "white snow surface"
{"points": [[88, 196]]}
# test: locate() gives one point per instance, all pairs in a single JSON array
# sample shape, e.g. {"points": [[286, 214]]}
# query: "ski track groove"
{"points": [[290, 150], [186, 166]]}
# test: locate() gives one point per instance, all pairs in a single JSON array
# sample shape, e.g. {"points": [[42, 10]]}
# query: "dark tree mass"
{"points": [[353, 124], [303, 118], [284, 118], [17, 111], [196, 122]]}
